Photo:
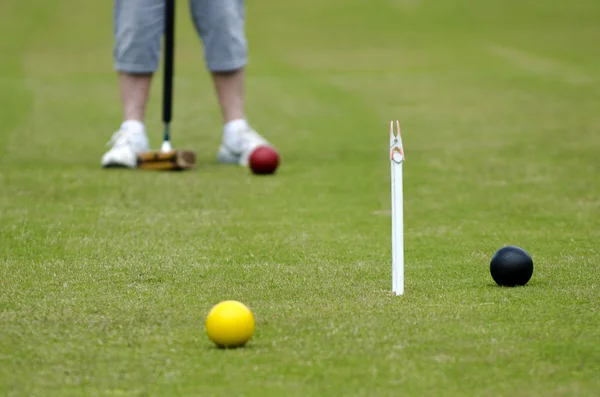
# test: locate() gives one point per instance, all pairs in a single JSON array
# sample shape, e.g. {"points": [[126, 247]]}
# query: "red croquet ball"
{"points": [[264, 160]]}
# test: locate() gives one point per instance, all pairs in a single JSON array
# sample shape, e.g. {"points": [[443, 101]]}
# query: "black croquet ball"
{"points": [[511, 266]]}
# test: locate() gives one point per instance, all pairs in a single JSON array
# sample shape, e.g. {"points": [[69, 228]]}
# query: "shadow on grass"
{"points": [[248, 347], [528, 285]]}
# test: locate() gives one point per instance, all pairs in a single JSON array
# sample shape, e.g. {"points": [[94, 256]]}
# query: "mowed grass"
{"points": [[107, 276]]}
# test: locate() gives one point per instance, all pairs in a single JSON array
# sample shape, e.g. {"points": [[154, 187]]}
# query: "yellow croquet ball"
{"points": [[230, 324]]}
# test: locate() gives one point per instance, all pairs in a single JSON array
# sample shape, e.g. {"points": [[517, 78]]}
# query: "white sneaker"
{"points": [[237, 146], [126, 144]]}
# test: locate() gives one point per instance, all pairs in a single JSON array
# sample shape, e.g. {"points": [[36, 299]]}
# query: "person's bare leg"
{"points": [[131, 137], [239, 138], [229, 87], [135, 90]]}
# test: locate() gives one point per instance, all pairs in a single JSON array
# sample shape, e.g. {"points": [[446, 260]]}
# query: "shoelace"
{"points": [[121, 138], [248, 138]]}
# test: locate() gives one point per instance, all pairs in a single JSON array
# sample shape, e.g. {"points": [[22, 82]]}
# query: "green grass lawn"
{"points": [[106, 276]]}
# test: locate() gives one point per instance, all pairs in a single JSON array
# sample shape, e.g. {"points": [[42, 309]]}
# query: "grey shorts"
{"points": [[139, 25]]}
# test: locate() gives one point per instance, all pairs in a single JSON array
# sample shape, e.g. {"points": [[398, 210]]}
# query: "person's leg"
{"points": [[221, 26], [138, 28], [135, 90], [229, 87]]}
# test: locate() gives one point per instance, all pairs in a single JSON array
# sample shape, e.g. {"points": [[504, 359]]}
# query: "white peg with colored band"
{"points": [[397, 160]]}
